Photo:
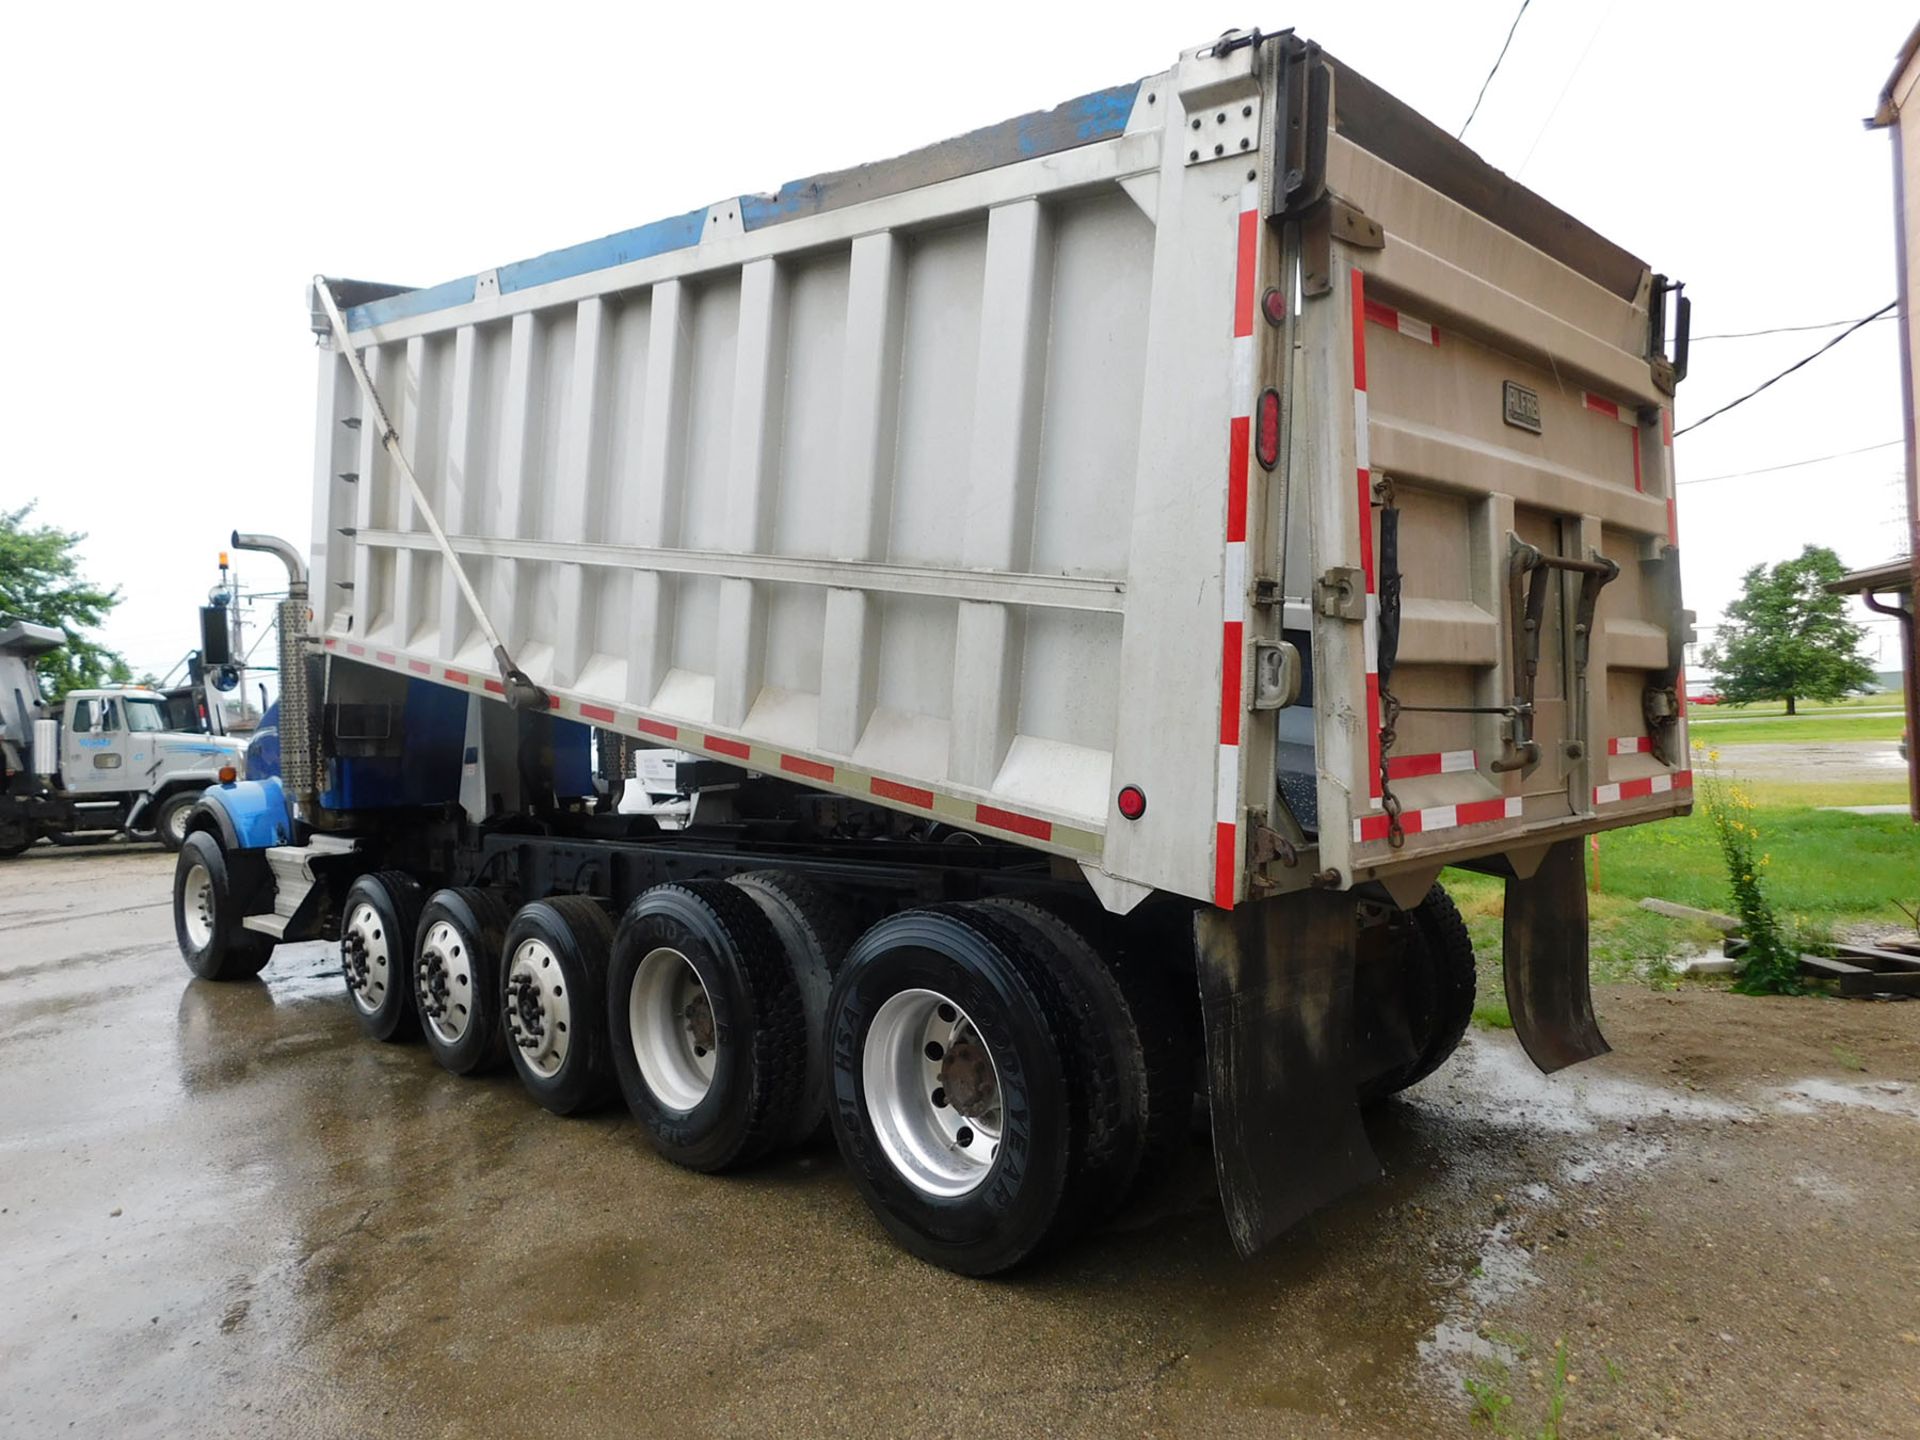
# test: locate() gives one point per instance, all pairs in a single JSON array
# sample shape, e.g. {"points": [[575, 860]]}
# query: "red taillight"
{"points": [[1266, 438], [1273, 305], [1132, 801]]}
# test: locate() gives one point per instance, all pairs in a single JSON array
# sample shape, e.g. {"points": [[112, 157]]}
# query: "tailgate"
{"points": [[1484, 558]]}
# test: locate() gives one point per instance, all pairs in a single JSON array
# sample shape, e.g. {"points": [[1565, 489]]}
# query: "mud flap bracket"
{"points": [[1276, 996], [1545, 961]]}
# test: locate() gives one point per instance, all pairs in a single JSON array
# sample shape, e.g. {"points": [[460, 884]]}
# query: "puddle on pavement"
{"points": [[1808, 1097], [1588, 1125]]}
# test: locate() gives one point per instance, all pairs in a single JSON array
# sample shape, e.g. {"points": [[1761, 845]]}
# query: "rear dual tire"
{"points": [[554, 980], [456, 977], [957, 1108], [707, 1026]]}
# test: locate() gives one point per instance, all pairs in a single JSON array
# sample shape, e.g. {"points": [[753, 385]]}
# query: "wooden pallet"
{"points": [[1864, 970]]}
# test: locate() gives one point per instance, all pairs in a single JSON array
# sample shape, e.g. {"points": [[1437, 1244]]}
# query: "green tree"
{"points": [[40, 581], [1786, 638]]}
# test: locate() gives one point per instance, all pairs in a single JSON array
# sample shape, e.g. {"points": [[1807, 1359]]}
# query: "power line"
{"points": [[1779, 330], [1559, 99], [1793, 464], [1493, 72], [1788, 371]]}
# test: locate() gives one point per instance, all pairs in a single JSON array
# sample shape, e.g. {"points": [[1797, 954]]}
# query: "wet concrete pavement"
{"points": [[223, 1212]]}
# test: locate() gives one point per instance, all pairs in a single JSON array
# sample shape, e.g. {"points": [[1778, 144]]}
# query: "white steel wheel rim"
{"points": [[919, 1046], [197, 905], [539, 1014], [444, 978], [176, 822], [670, 1016], [367, 957]]}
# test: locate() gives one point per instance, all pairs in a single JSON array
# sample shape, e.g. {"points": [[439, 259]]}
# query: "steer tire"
{"points": [[816, 932], [984, 968], [378, 921], [466, 929], [562, 944], [1438, 976], [170, 818], [708, 1028], [208, 907]]}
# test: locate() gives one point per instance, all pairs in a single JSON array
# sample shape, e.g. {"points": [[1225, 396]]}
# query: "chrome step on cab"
{"points": [[293, 880]]}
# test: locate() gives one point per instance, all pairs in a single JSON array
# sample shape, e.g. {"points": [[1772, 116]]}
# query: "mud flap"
{"points": [[1546, 962], [1276, 994]]}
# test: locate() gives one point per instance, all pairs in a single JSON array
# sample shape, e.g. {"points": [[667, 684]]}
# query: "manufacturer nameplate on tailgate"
{"points": [[1523, 408]]}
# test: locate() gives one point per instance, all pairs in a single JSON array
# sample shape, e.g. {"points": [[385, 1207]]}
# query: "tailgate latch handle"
{"points": [[1527, 573]]}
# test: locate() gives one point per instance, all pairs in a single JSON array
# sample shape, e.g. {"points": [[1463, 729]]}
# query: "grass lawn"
{"points": [[1889, 701], [1828, 871], [1713, 728]]}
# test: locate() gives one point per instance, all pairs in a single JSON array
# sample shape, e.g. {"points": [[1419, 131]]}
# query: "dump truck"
{"points": [[1066, 593], [101, 762]]}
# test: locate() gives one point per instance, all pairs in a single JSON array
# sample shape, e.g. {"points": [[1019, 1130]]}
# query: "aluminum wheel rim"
{"points": [[444, 979], [367, 957], [539, 1014], [197, 906], [920, 1046], [670, 1016]]}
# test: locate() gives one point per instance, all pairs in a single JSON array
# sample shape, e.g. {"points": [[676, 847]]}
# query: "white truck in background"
{"points": [[101, 762], [1090, 576]]}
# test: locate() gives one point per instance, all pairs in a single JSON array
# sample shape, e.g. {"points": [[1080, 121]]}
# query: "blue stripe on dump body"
{"points": [[675, 233], [1044, 132], [411, 303]]}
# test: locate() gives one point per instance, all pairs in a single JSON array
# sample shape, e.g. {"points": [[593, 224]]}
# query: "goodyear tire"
{"points": [[953, 1097], [708, 1029], [378, 920], [456, 977], [1437, 979], [208, 907], [816, 932], [554, 986]]}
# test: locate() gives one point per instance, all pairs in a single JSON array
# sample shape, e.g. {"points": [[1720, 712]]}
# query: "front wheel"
{"points": [[208, 912], [170, 820]]}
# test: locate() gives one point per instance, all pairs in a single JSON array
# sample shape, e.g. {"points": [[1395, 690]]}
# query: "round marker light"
{"points": [[1132, 801], [228, 774], [1273, 305]]}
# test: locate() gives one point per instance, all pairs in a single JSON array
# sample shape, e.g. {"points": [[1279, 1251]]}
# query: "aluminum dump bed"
{"points": [[1224, 481]]}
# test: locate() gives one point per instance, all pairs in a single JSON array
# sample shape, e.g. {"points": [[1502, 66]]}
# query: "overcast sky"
{"points": [[176, 174]]}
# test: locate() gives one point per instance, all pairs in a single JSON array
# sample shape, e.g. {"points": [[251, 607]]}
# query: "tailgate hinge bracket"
{"points": [[1333, 219], [1527, 574]]}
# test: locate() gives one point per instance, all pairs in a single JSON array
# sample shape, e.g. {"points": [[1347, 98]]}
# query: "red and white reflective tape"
{"points": [[1442, 762], [1630, 745], [1233, 579], [1394, 319], [1600, 405], [1643, 787], [1626, 415], [1363, 480], [954, 809], [1439, 817]]}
